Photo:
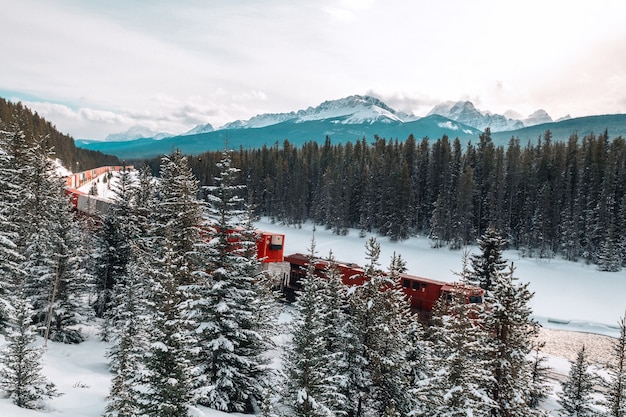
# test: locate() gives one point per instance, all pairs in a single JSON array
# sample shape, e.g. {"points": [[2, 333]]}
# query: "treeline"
{"points": [[16, 117], [547, 198]]}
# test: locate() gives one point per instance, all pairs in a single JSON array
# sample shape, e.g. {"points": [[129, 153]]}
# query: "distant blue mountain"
{"points": [[614, 124], [296, 132], [354, 118]]}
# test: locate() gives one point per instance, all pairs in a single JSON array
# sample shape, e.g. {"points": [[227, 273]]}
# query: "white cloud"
{"points": [[169, 65]]}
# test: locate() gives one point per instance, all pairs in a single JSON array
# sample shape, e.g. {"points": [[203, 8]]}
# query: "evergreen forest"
{"points": [[549, 198], [17, 117], [171, 280]]}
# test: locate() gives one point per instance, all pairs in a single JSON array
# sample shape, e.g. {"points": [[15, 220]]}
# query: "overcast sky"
{"points": [[98, 67]]}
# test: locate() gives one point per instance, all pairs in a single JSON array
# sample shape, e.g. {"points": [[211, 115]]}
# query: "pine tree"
{"points": [[461, 380], [67, 308], [233, 328], [49, 242], [615, 396], [21, 376], [381, 316], [179, 215], [129, 345], [166, 389], [119, 227], [575, 399], [608, 256], [313, 382], [9, 254], [510, 332], [489, 262], [168, 262], [540, 386]]}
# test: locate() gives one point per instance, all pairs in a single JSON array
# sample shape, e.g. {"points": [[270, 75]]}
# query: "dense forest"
{"points": [[16, 117], [547, 198]]}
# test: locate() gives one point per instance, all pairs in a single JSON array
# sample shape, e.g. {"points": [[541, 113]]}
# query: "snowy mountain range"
{"points": [[465, 112], [349, 119], [349, 110], [354, 110], [136, 132]]}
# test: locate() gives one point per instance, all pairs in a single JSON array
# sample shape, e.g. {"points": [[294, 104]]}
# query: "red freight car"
{"points": [[423, 293]]}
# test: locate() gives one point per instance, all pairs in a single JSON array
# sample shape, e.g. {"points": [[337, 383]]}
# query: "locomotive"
{"points": [[288, 271]]}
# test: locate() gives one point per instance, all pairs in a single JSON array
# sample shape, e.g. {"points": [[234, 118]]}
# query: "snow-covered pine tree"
{"points": [[142, 195], [510, 332], [129, 313], [540, 385], [9, 255], [67, 308], [179, 215], [575, 398], [230, 309], [313, 384], [119, 226], [615, 395], [49, 241], [129, 345], [168, 262], [461, 380], [166, 380], [489, 262], [21, 376], [609, 256], [380, 312]]}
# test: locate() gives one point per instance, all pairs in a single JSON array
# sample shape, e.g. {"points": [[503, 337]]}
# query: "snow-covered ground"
{"points": [[568, 296]]}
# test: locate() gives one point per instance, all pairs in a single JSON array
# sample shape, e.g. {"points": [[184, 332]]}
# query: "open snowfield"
{"points": [[568, 296]]}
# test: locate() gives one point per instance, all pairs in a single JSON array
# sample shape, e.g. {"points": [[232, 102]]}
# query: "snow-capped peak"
{"points": [[465, 112], [206, 128], [538, 117], [349, 110], [136, 132]]}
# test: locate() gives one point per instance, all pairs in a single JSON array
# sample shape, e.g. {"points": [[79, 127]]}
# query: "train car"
{"points": [[78, 179], [88, 205], [421, 292]]}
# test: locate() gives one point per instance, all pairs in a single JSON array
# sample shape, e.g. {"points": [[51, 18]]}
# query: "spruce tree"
{"points": [[381, 316], [540, 385], [615, 395], [49, 241], [21, 376], [313, 382], [9, 253], [168, 263], [119, 228], [575, 398], [489, 262], [166, 380], [461, 378], [230, 310], [129, 346], [510, 332]]}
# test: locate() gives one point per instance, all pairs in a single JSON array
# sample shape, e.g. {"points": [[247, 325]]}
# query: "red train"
{"points": [[422, 292], [85, 203], [289, 270], [270, 246]]}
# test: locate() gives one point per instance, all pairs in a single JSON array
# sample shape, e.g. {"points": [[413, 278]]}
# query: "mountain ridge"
{"points": [[349, 119]]}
